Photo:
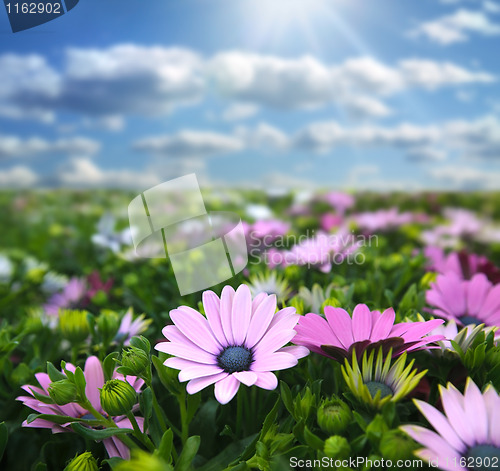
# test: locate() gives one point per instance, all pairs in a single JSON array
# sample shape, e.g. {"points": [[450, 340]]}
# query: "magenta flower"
{"points": [[474, 301], [382, 220], [467, 435], [462, 263], [70, 297], [321, 251], [240, 341], [94, 377], [339, 334], [130, 327], [340, 201]]}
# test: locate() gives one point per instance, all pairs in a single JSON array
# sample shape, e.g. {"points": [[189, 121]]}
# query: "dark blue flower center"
{"points": [[483, 457], [467, 320], [374, 387], [234, 359]]}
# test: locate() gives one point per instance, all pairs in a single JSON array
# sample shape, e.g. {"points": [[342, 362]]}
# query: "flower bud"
{"points": [[136, 360], [117, 397], [83, 462], [62, 392], [396, 445], [334, 416], [140, 461], [107, 324], [337, 447], [74, 325], [304, 403]]}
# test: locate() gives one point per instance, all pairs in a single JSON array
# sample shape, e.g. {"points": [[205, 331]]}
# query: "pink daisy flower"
{"points": [[94, 377], [239, 341], [462, 263], [339, 334], [474, 301], [467, 434]]}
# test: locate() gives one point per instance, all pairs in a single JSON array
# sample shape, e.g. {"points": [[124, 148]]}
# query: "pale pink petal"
{"points": [[475, 412], [248, 378], [260, 320], [441, 424], [94, 376], [198, 384], [226, 308], [195, 327], [383, 325], [477, 290], [116, 448], [361, 322], [430, 440], [198, 371], [341, 324], [211, 303], [188, 351], [492, 302], [266, 380], [257, 300], [44, 380], [295, 350], [492, 401], [453, 408], [180, 363], [313, 330], [277, 337], [274, 362], [226, 389], [241, 313]]}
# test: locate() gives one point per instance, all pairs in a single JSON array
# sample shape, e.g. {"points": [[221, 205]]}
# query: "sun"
{"points": [[279, 20]]}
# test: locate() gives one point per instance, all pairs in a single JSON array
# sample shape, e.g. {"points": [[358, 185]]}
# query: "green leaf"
{"points": [[146, 405], [80, 381], [313, 440], [124, 370], [93, 434], [170, 384], [56, 419], [286, 396], [164, 451], [42, 397], [54, 373], [109, 365], [188, 453], [193, 402], [4, 436], [141, 342], [270, 418], [237, 451]]}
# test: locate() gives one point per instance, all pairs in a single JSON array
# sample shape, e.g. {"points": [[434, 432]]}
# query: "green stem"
{"points": [[184, 422], [74, 354], [107, 422], [142, 437], [239, 411]]}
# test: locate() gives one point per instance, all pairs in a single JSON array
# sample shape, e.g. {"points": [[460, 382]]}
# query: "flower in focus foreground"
{"points": [[94, 377], [468, 433], [377, 382], [240, 341], [339, 335], [474, 301]]}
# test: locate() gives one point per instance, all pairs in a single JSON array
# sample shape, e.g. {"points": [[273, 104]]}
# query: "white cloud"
{"points": [[109, 84], [366, 107], [466, 178], [83, 172], [264, 137], [13, 146], [491, 7], [190, 143], [19, 176], [239, 111], [456, 27]]}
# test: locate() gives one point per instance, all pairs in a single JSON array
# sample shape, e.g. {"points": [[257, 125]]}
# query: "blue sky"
{"points": [[355, 94]]}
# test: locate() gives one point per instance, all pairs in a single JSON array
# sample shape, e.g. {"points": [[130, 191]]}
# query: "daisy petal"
{"points": [[226, 389]]}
